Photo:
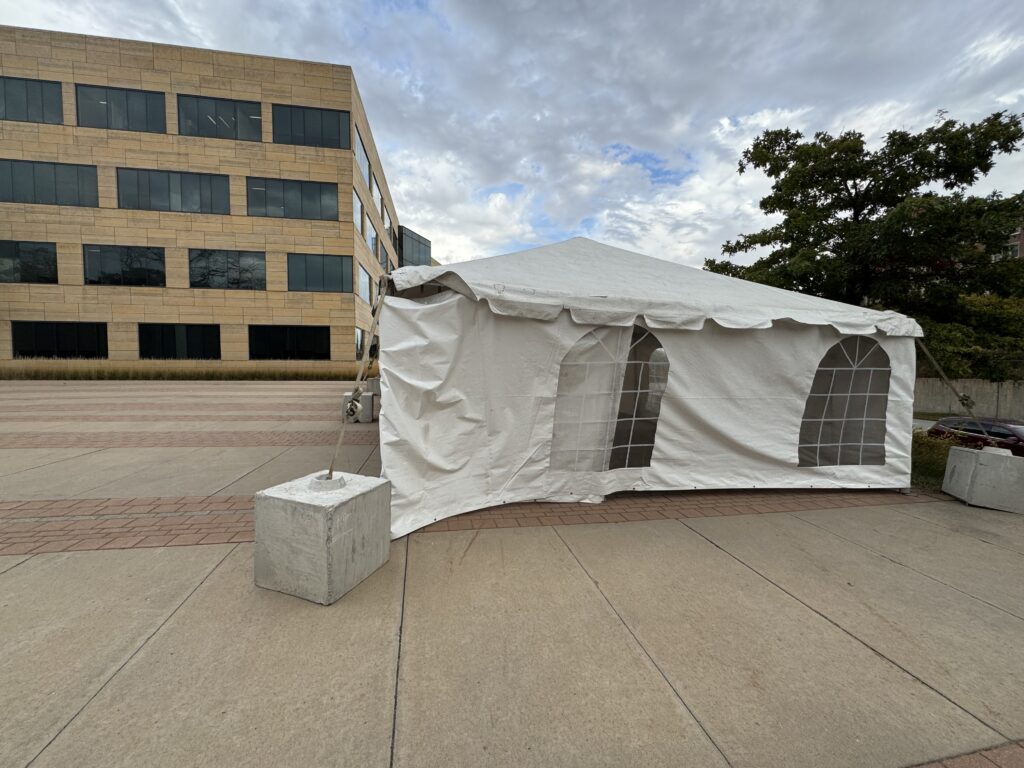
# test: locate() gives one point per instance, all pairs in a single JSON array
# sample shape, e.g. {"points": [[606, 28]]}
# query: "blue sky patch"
{"points": [[656, 167]]}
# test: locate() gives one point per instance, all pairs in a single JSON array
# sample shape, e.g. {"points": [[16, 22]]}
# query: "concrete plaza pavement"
{"points": [[99, 439], [843, 631]]}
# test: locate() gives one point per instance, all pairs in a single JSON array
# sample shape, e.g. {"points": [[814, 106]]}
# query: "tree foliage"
{"points": [[896, 228]]}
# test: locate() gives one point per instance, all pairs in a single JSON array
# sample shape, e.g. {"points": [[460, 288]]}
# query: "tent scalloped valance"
{"points": [[601, 285]]}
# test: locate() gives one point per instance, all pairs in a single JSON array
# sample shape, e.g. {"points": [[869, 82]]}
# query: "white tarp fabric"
{"points": [[470, 379]]}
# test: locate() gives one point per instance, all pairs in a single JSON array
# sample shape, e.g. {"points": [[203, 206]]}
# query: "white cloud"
{"points": [[460, 224], [987, 52]]}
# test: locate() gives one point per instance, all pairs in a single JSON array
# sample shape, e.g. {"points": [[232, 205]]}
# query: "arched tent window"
{"points": [[643, 385], [844, 419], [608, 400], [588, 382]]}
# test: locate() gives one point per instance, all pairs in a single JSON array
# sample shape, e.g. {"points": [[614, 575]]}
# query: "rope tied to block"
{"points": [[353, 407]]}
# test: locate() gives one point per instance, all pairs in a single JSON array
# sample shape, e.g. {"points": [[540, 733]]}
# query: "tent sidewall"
{"points": [[469, 396]]}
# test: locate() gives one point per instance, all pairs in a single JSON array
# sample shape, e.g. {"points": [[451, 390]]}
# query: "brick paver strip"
{"points": [[324, 405], [28, 414], [77, 524], [181, 439]]}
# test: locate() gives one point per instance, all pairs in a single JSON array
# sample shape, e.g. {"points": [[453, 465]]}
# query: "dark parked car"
{"points": [[978, 433]]}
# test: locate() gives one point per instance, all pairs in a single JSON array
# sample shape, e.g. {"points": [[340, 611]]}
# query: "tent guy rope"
{"points": [[962, 397], [354, 405]]}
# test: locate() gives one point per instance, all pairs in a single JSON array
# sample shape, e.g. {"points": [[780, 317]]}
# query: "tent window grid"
{"points": [[844, 420], [590, 433]]}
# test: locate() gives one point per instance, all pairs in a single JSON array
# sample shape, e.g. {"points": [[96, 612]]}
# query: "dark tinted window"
{"points": [[311, 127], [120, 109], [44, 339], [31, 101], [414, 250], [292, 199], [289, 342], [219, 118], [318, 272], [245, 270], [22, 262], [24, 181], [178, 341], [172, 191], [123, 265]]}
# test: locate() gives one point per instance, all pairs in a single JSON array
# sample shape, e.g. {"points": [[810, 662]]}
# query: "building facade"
{"points": [[168, 206]]}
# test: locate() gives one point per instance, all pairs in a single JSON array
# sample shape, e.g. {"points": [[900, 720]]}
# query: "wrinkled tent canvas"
{"points": [[576, 370]]}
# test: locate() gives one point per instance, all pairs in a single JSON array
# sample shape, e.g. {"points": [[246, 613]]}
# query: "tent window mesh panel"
{"points": [[608, 401], [643, 385], [844, 419]]}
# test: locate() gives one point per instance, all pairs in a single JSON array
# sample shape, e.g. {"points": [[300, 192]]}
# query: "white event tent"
{"points": [[576, 370]]}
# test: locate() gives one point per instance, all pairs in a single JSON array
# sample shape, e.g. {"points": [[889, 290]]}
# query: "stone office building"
{"points": [[164, 206]]}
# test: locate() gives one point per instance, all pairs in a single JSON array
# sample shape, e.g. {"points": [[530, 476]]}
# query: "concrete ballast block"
{"points": [[990, 478], [366, 415], [318, 538]]}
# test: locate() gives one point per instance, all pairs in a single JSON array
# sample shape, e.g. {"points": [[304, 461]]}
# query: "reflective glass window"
{"points": [[120, 109], [27, 262]]}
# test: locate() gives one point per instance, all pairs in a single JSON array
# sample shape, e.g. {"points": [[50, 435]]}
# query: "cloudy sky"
{"points": [[510, 124]]}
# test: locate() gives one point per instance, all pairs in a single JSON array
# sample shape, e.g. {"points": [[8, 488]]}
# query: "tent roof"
{"points": [[602, 285]]}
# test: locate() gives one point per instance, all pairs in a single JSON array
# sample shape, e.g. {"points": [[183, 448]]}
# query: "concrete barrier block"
{"points": [[366, 415], [317, 538], [992, 478]]}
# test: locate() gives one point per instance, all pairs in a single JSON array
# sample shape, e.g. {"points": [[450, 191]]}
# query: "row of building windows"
{"points": [[181, 192], [360, 216], [364, 226], [120, 109], [24, 181], [129, 109], [30, 262], [289, 199], [173, 341], [31, 101], [28, 181]]}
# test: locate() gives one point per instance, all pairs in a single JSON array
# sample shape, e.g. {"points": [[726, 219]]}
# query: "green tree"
{"points": [[896, 228]]}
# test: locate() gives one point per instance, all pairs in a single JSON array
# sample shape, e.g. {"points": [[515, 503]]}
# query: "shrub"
{"points": [[928, 457]]}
